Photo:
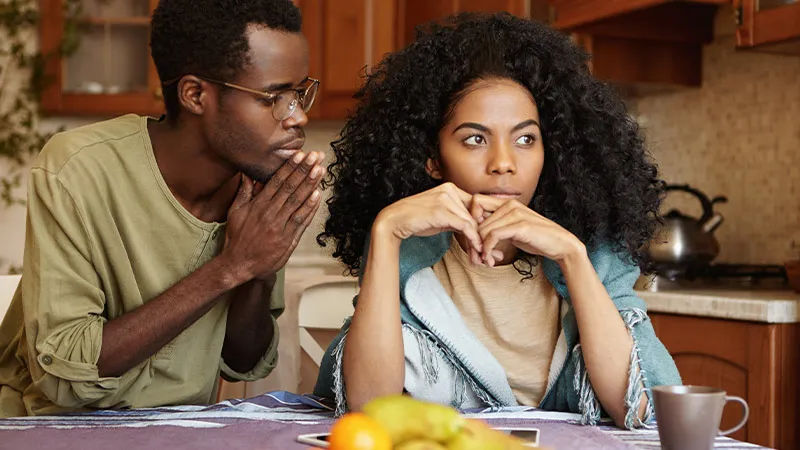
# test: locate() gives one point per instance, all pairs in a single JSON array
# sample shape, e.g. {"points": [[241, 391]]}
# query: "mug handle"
{"points": [[744, 419]]}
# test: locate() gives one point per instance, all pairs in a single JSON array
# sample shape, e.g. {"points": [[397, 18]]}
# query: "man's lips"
{"points": [[289, 149]]}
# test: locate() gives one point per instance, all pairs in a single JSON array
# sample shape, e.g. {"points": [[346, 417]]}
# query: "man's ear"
{"points": [[193, 94], [432, 167]]}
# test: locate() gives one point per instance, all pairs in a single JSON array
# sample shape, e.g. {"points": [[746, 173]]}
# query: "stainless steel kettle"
{"points": [[684, 241]]}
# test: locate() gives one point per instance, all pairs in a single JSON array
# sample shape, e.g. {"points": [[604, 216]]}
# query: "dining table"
{"points": [[274, 420]]}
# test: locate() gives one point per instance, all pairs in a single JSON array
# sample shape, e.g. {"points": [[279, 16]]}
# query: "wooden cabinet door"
{"points": [[768, 22], [345, 38], [413, 13], [754, 361], [575, 13], [111, 73], [569, 14]]}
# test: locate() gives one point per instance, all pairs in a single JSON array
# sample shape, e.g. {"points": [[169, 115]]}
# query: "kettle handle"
{"points": [[708, 205]]}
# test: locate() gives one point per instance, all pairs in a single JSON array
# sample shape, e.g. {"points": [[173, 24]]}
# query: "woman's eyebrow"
{"points": [[526, 124], [473, 125]]}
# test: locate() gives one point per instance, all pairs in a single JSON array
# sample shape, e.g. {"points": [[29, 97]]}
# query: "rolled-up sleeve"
{"points": [[63, 303], [269, 360]]}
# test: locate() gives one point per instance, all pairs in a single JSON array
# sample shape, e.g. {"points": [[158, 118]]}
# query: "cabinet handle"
{"points": [[158, 94]]}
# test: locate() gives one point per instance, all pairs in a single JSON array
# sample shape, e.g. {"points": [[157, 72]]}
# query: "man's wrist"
{"points": [[231, 274]]}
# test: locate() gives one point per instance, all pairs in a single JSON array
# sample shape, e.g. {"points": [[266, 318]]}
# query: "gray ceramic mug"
{"points": [[688, 417]]}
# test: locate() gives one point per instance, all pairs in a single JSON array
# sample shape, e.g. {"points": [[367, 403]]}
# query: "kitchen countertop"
{"points": [[768, 306]]}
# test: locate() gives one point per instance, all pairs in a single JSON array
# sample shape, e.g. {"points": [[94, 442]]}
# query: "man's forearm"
{"points": [[249, 330], [137, 335]]}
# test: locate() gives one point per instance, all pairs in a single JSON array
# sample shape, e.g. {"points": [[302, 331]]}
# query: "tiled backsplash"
{"points": [[738, 136]]}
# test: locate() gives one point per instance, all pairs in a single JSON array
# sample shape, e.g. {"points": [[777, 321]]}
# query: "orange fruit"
{"points": [[357, 431]]}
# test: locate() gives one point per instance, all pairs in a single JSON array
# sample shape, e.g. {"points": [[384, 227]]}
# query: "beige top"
{"points": [[516, 320], [104, 236]]}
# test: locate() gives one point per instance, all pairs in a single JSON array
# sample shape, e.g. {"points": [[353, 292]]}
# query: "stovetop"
{"points": [[720, 276]]}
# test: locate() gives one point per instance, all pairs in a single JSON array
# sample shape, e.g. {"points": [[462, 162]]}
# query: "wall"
{"points": [[12, 220], [738, 136]]}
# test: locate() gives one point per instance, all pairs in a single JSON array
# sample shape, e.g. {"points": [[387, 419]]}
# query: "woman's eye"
{"points": [[526, 140], [475, 140]]}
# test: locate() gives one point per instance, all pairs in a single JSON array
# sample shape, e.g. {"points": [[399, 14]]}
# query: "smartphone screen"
{"points": [[526, 435], [529, 435]]}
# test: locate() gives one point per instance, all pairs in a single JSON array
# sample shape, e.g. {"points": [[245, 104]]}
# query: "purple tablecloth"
{"points": [[273, 421]]}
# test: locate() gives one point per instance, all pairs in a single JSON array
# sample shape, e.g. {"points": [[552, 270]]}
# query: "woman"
{"points": [[494, 199]]}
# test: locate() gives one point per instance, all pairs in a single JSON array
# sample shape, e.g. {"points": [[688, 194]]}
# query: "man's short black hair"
{"points": [[207, 37]]}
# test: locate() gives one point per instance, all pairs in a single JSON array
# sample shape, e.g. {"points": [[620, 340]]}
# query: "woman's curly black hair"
{"points": [[598, 181]]}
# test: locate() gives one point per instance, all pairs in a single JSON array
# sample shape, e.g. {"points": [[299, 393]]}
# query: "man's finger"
{"points": [[303, 189], [280, 176], [257, 188], [244, 194], [297, 187], [305, 214]]}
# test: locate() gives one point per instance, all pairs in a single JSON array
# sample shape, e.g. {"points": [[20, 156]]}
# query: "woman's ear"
{"points": [[432, 167]]}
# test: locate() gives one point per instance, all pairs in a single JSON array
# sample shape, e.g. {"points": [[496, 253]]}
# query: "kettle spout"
{"points": [[712, 223]]}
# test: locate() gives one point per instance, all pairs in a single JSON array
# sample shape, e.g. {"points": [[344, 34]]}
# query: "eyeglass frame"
{"points": [[265, 95]]}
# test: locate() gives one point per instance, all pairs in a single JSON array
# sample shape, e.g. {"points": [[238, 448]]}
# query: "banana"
{"points": [[407, 419], [420, 445]]}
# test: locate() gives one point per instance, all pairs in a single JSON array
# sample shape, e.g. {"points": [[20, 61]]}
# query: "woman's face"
{"points": [[492, 144]]}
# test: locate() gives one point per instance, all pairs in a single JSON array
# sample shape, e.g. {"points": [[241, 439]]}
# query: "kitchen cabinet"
{"points": [[571, 14], [769, 25], [111, 72], [759, 362], [416, 12], [347, 37], [641, 45]]}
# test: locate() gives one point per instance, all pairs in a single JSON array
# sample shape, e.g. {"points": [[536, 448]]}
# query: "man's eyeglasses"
{"points": [[283, 102]]}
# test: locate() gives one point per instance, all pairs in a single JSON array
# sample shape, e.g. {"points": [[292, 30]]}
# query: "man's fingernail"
{"points": [[298, 157], [315, 195], [315, 172], [311, 159]]}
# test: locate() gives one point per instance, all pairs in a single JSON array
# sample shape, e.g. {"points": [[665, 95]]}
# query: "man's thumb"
{"points": [[244, 194]]}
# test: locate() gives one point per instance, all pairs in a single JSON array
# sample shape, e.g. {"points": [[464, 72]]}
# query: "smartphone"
{"points": [[317, 440], [529, 435]]}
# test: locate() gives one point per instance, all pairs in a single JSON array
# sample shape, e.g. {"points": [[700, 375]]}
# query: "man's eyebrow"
{"points": [[282, 86]]}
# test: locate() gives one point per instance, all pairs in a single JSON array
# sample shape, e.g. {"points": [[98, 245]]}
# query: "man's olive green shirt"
{"points": [[105, 235]]}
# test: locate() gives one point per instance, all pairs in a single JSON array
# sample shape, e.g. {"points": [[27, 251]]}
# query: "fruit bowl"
{"points": [[399, 422]]}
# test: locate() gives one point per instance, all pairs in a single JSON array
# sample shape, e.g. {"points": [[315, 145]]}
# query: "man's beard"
{"points": [[257, 174]]}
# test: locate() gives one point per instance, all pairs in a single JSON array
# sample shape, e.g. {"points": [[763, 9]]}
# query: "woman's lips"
{"points": [[504, 196], [502, 193]]}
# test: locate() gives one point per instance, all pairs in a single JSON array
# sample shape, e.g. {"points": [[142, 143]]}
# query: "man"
{"points": [[154, 249]]}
